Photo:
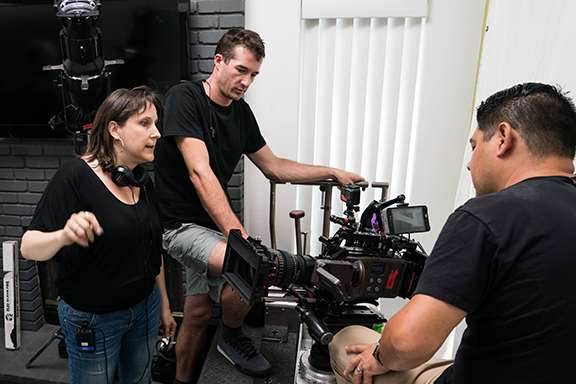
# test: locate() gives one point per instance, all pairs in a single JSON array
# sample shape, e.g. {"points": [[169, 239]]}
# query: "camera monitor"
{"points": [[407, 219]]}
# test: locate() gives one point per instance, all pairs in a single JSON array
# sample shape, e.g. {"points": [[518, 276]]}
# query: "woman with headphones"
{"points": [[99, 219]]}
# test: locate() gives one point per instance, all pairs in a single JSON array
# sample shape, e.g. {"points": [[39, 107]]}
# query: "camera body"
{"points": [[348, 273]]}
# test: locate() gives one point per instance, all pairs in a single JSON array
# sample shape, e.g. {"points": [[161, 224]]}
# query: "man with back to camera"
{"points": [[504, 261], [206, 127]]}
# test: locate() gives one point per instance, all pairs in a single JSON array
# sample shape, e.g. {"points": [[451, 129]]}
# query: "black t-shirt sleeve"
{"points": [[458, 270], [58, 202], [182, 115]]}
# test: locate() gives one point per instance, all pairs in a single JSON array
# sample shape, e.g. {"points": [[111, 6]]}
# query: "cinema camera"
{"points": [[362, 262]]}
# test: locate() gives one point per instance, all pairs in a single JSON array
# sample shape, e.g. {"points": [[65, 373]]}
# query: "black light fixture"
{"points": [[84, 78], [77, 8]]}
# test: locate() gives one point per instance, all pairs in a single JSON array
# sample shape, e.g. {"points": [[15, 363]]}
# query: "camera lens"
{"points": [[292, 269]]}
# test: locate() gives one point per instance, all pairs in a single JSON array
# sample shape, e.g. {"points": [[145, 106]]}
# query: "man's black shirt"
{"points": [[228, 132]]}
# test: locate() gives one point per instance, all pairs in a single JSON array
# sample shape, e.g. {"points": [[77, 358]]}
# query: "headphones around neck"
{"points": [[123, 176]]}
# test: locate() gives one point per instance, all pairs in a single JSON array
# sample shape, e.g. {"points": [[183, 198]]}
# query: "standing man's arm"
{"points": [[207, 185], [284, 170], [410, 338]]}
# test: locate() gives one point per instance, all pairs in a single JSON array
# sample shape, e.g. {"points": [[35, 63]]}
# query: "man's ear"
{"points": [[218, 60], [507, 138]]}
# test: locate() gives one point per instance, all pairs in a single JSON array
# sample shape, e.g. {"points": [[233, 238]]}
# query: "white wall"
{"points": [[274, 100], [525, 41]]}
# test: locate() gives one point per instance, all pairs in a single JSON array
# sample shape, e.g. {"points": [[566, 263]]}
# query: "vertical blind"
{"points": [[359, 78]]}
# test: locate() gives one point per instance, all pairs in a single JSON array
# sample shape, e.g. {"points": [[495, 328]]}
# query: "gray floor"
{"points": [[276, 343], [48, 368]]}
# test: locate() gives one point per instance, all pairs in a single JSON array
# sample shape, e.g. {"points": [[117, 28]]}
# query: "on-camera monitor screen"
{"points": [[408, 219]]}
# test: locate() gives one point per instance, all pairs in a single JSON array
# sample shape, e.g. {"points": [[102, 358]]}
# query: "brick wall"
{"points": [[26, 165], [209, 20]]}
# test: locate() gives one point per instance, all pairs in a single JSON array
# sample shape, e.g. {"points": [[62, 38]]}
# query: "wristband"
{"points": [[376, 353]]}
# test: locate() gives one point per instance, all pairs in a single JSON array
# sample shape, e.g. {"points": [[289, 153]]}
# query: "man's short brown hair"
{"points": [[243, 37]]}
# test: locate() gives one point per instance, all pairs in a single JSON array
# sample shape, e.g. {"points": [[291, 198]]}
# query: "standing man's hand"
{"points": [[344, 177]]}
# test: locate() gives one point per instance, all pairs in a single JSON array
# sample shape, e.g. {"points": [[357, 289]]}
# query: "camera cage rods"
{"points": [[326, 187]]}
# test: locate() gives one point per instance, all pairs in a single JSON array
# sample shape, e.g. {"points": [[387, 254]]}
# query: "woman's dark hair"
{"points": [[243, 37], [542, 114], [119, 106]]}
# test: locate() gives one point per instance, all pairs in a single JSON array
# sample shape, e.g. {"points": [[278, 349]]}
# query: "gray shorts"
{"points": [[191, 245]]}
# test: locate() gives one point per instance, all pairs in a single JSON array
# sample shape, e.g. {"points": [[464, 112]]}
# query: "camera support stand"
{"points": [[313, 358], [57, 335]]}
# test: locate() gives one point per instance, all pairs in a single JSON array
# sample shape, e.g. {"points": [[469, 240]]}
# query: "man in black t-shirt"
{"points": [[504, 261], [206, 127]]}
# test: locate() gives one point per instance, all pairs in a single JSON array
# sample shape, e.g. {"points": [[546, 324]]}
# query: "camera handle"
{"points": [[316, 327], [300, 236], [330, 280], [385, 204]]}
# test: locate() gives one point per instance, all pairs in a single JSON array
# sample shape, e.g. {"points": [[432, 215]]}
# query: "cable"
{"points": [[105, 354], [208, 97], [160, 344], [146, 256]]}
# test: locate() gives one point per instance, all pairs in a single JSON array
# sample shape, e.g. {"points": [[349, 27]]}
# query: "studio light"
{"points": [[84, 78], [76, 8]]}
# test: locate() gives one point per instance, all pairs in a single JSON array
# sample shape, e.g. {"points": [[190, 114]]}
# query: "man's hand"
{"points": [[344, 177], [364, 366]]}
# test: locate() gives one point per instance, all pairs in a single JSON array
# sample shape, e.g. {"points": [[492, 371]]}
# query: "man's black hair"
{"points": [[542, 114]]}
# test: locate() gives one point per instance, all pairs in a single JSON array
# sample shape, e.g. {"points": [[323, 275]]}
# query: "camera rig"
{"points": [[362, 262]]}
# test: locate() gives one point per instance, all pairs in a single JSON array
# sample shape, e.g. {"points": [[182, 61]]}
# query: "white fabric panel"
{"points": [[317, 9], [307, 116], [342, 54], [389, 106], [324, 105], [406, 127], [372, 114], [357, 98]]}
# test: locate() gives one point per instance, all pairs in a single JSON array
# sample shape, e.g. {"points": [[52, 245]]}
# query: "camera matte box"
{"points": [[11, 295]]}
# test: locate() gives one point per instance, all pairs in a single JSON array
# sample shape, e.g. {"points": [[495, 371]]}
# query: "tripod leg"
{"points": [[29, 363]]}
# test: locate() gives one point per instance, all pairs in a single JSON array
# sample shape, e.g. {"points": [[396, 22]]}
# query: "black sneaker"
{"points": [[241, 353]]}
